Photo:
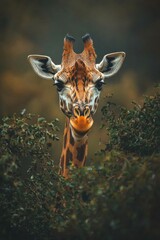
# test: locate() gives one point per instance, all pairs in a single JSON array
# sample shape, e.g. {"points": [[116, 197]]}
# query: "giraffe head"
{"points": [[79, 80]]}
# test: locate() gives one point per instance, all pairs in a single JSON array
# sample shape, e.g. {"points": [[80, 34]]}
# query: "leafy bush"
{"points": [[117, 198], [136, 130], [21, 141], [25, 145]]}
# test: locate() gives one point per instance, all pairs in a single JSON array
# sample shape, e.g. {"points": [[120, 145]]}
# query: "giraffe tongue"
{"points": [[81, 123]]}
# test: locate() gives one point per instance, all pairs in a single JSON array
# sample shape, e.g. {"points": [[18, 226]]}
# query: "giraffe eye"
{"points": [[99, 84], [60, 85]]}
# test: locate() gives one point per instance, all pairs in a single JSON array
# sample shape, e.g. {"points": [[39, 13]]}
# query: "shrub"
{"points": [[25, 145], [136, 130], [23, 141], [117, 198]]}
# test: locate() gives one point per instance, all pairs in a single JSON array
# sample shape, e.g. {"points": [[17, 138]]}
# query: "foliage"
{"points": [[120, 200], [21, 141], [25, 140], [136, 130], [117, 198]]}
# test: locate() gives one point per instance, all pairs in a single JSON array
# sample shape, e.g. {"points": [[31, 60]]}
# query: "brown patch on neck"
{"points": [[81, 152], [74, 151]]}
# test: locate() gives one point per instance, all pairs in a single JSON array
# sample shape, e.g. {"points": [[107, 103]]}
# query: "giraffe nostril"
{"points": [[87, 112], [77, 112], [81, 111]]}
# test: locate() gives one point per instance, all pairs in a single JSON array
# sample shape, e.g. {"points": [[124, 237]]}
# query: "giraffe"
{"points": [[79, 81]]}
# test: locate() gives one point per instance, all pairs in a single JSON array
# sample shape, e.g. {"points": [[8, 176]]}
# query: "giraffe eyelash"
{"points": [[59, 84], [99, 84]]}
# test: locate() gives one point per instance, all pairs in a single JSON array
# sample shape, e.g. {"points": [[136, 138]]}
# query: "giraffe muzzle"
{"points": [[81, 111], [81, 120]]}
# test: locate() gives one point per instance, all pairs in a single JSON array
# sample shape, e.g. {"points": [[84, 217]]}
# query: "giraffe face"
{"points": [[79, 89], [79, 80]]}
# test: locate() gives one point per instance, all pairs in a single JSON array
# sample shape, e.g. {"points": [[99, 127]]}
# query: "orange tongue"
{"points": [[81, 123]]}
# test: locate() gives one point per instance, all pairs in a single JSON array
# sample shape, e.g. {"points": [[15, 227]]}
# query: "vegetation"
{"points": [[136, 130], [115, 198]]}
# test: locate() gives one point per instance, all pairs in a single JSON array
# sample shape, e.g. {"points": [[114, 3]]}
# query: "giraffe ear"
{"points": [[111, 63], [43, 66]]}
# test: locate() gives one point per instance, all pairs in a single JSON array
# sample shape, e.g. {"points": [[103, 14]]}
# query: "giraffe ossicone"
{"points": [[79, 81]]}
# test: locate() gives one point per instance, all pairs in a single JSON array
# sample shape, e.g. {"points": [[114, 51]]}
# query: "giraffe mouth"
{"points": [[81, 124]]}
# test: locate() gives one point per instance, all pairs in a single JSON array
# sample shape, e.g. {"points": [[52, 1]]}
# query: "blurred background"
{"points": [[38, 27]]}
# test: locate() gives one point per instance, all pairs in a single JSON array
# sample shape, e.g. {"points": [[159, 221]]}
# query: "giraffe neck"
{"points": [[74, 150]]}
